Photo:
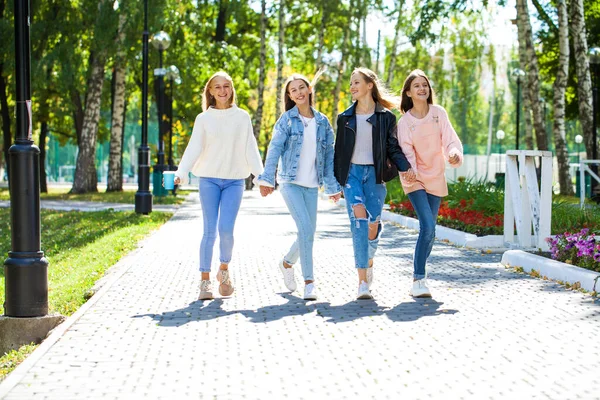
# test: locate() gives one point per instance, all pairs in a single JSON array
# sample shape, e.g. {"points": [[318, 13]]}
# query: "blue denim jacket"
{"points": [[285, 146]]}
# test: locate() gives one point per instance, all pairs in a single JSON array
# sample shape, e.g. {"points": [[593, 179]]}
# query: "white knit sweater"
{"points": [[222, 146]]}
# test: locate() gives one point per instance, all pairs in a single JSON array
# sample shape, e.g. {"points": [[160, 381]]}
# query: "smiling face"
{"points": [[299, 92], [419, 90], [359, 88], [222, 90]]}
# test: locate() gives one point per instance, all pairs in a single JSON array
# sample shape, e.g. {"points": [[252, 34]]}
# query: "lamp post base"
{"points": [[27, 293], [143, 202]]}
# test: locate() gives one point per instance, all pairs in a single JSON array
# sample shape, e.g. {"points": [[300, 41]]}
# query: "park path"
{"points": [[488, 333]]}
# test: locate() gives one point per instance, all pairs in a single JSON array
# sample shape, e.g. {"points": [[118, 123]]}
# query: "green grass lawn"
{"points": [[80, 247], [127, 196]]}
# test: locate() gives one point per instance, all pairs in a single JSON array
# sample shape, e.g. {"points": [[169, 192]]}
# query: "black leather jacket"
{"points": [[387, 154]]}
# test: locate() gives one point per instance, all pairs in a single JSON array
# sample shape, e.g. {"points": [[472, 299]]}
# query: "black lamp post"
{"points": [[518, 73], [160, 41], [594, 54], [174, 78], [143, 197], [25, 269]]}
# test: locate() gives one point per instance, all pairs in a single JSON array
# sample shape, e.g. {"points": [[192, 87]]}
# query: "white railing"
{"points": [[524, 204], [583, 168]]}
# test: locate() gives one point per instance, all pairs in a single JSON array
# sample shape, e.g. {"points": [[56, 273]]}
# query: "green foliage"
{"points": [[10, 360], [483, 194], [80, 247], [127, 197]]}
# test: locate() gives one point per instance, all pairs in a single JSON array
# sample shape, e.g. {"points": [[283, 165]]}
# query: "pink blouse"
{"points": [[428, 143]]}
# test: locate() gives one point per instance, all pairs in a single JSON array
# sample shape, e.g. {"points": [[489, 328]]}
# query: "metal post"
{"points": [[25, 269], [160, 164], [143, 197], [171, 164]]}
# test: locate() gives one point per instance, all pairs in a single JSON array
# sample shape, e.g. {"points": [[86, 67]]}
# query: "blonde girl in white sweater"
{"points": [[222, 152]]}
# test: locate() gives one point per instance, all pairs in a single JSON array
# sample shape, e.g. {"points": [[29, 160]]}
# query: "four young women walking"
{"points": [[369, 149]]}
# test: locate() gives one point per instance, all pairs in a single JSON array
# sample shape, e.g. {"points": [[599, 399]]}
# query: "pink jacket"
{"points": [[427, 144]]}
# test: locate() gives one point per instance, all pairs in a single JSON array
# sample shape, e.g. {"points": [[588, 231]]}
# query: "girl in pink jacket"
{"points": [[428, 140]]}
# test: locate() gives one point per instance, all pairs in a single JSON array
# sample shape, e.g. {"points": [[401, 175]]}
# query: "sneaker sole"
{"points": [[310, 298], [205, 297], [422, 296], [365, 297]]}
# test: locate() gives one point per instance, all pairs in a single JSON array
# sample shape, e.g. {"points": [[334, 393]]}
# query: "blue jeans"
{"points": [[426, 206], [220, 200], [302, 204], [361, 189]]}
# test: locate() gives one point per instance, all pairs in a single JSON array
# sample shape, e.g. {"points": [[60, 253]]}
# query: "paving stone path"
{"points": [[488, 333]]}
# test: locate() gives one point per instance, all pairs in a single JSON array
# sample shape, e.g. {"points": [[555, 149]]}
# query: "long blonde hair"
{"points": [[379, 92], [286, 101], [208, 99]]}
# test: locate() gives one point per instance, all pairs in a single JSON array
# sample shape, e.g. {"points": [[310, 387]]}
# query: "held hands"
{"points": [[335, 197], [177, 180], [265, 190], [409, 176]]}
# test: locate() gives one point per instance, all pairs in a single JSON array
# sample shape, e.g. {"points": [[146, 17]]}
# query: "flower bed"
{"points": [[580, 249], [462, 218]]}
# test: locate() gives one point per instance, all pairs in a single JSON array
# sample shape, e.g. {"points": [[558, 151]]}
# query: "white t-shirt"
{"points": [[307, 163], [363, 147]]}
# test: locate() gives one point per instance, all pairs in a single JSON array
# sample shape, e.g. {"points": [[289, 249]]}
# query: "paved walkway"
{"points": [[487, 334]]}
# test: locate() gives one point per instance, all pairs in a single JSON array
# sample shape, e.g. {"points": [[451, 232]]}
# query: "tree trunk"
{"points": [[560, 85], [392, 64], [261, 78], [321, 45], [221, 21], [115, 176], [85, 169], [4, 111], [533, 77], [522, 33], [584, 81], [280, 45], [341, 69]]}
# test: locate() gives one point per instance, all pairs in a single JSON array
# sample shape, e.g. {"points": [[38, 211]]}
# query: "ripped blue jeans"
{"points": [[361, 189]]}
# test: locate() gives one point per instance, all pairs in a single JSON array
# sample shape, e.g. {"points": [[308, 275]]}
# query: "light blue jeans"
{"points": [[361, 188], [220, 200], [302, 204], [426, 206]]}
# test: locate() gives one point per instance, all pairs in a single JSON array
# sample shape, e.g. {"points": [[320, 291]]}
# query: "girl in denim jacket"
{"points": [[302, 151]]}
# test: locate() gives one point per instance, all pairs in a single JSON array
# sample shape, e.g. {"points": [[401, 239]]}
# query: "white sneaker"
{"points": [[205, 290], [420, 289], [288, 276], [363, 291], [310, 292]]}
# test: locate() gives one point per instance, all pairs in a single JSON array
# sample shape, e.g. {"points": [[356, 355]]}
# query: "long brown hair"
{"points": [[407, 102], [286, 101], [208, 99], [379, 92]]}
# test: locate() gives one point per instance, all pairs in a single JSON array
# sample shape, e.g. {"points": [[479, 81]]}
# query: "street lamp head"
{"points": [[578, 139], [173, 73], [517, 72], [161, 40], [500, 135], [594, 54]]}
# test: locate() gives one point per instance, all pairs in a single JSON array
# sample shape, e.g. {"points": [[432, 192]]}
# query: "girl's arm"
{"points": [[252, 154], [192, 151], [406, 144], [275, 150], [332, 186], [395, 152], [452, 146]]}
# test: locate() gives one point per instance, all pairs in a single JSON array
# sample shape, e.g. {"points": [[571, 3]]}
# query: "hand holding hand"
{"points": [[265, 190], [409, 176], [177, 180], [335, 197]]}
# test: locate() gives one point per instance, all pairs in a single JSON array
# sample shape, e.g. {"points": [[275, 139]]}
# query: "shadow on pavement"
{"points": [[419, 308]]}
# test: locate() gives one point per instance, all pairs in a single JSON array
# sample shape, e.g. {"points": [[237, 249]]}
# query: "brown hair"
{"points": [[208, 99], [286, 101], [379, 92], [407, 102]]}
